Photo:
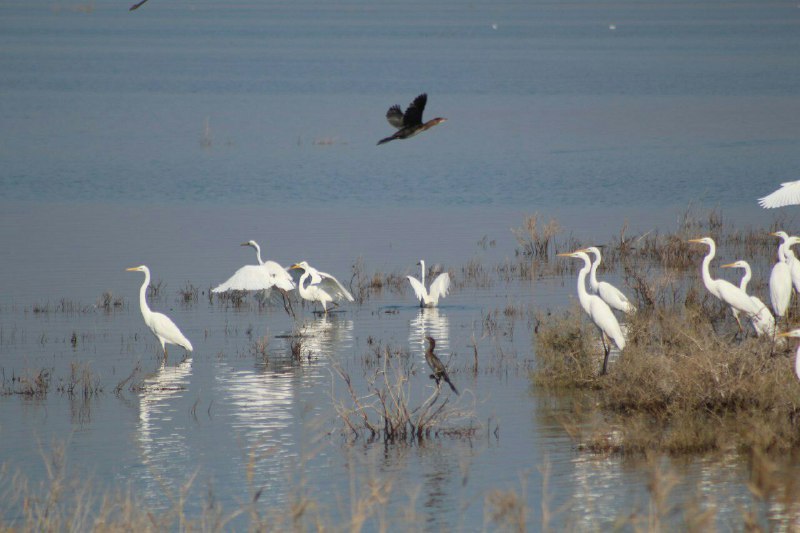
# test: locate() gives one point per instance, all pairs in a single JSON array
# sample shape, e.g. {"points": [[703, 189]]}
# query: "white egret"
{"points": [[438, 289], [160, 324], [264, 276], [723, 289], [763, 322], [796, 334], [780, 279], [322, 288], [597, 309], [609, 293], [788, 194], [791, 260]]}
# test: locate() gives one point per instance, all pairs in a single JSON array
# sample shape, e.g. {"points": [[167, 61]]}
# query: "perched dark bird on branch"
{"points": [[410, 123], [439, 370]]}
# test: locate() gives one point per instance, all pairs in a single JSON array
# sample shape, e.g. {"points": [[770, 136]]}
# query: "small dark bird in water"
{"points": [[136, 6], [410, 123], [439, 370]]}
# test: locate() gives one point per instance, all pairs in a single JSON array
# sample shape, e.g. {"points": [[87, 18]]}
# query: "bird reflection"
{"points": [[429, 322], [595, 483], [160, 441], [325, 334], [439, 472], [258, 405]]}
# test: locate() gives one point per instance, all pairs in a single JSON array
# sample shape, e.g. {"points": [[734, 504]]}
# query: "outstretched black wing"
{"points": [[413, 116], [395, 116], [137, 6]]}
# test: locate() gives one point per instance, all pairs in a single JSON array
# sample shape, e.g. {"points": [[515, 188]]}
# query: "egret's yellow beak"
{"points": [[132, 269], [245, 244], [295, 266], [695, 240], [774, 234], [784, 334], [729, 265], [566, 254]]}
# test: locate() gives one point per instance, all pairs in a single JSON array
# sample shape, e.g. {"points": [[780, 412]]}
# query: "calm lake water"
{"points": [[169, 135]]}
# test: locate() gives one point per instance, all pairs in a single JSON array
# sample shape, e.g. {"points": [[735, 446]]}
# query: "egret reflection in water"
{"points": [[429, 322], [325, 334], [257, 404], [161, 431]]}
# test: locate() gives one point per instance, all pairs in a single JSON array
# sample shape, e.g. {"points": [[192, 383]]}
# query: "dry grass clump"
{"points": [[235, 299], [565, 355], [108, 302], [473, 274], [260, 348], [189, 293], [32, 383], [678, 387], [506, 510], [387, 411], [535, 239], [82, 381], [64, 305], [359, 282]]}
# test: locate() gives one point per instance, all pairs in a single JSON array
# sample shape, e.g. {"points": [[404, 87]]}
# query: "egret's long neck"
{"points": [[143, 296], [583, 296], [708, 281], [422, 266], [258, 253], [301, 287], [593, 274], [746, 278], [789, 254], [781, 253]]}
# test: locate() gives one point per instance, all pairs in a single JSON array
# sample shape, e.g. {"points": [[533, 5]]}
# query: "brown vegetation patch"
{"points": [[388, 411], [678, 387]]}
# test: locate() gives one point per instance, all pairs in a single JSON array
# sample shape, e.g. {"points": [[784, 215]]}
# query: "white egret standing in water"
{"points": [[263, 276], [723, 289], [597, 309], [322, 288], [438, 289], [788, 194], [609, 293], [780, 279], [160, 324], [763, 322]]}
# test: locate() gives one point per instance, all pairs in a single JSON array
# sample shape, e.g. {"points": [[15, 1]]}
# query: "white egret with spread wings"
{"points": [[438, 289], [260, 277], [321, 286]]}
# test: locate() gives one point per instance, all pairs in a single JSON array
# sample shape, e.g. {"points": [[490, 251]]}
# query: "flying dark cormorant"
{"points": [[410, 123]]}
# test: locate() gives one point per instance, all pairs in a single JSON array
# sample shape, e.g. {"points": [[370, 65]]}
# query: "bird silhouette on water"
{"points": [[438, 368], [409, 123]]}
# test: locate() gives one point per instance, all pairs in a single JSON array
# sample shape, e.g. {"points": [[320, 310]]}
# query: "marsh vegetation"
{"points": [[687, 382], [686, 386]]}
